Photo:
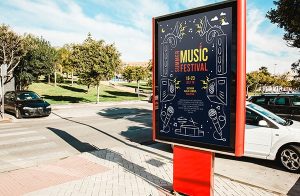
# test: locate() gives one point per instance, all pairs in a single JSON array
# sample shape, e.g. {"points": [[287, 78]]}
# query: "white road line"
{"points": [[27, 148], [16, 133], [34, 160], [37, 158], [12, 129], [23, 139]]}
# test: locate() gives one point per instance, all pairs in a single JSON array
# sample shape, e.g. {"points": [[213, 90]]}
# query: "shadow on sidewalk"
{"points": [[133, 168], [116, 157]]}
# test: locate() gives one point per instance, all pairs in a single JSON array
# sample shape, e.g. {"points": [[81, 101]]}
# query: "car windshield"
{"points": [[268, 114], [27, 96]]}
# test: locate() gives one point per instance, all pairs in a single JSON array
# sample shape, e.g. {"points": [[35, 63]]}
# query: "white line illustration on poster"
{"points": [[168, 85], [215, 33], [218, 135], [167, 89], [165, 117], [217, 90], [190, 129]]}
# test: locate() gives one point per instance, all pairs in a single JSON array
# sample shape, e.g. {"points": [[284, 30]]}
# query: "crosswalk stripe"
{"points": [[44, 156], [10, 129], [28, 161], [23, 139], [16, 133], [28, 148]]}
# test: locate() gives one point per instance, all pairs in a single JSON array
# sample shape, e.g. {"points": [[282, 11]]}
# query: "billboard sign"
{"points": [[195, 77]]}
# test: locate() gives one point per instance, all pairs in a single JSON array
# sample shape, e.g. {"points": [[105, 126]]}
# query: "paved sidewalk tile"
{"points": [[31, 179], [136, 172]]}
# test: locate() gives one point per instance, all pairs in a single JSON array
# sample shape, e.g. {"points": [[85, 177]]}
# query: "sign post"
{"points": [[199, 89]]}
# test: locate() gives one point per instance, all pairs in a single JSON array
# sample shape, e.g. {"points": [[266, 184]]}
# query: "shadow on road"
{"points": [[139, 134], [74, 142], [113, 137], [295, 190]]}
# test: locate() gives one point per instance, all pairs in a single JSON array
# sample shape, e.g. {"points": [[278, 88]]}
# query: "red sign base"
{"points": [[193, 171]]}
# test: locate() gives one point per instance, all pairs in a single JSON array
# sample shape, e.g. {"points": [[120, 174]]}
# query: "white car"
{"points": [[268, 136]]}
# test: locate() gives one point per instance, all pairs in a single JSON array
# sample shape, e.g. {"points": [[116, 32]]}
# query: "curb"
{"points": [[102, 104]]}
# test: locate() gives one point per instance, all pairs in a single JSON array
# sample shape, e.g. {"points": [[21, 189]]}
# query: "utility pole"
{"points": [[3, 74], [275, 69]]}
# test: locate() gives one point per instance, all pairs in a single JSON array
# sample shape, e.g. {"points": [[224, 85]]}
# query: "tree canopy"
{"points": [[95, 61], [39, 59], [286, 15], [11, 49]]}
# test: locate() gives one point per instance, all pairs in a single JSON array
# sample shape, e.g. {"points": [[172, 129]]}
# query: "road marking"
{"points": [[23, 139], [28, 148], [37, 158], [12, 129], [16, 133]]}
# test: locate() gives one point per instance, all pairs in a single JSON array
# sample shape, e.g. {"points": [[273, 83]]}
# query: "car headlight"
{"points": [[48, 107]]}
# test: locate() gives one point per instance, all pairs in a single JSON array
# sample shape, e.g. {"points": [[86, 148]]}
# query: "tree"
{"points": [[296, 69], [127, 73], [149, 73], [40, 59], [96, 61], [259, 78], [286, 16], [11, 49], [139, 73], [65, 61]]}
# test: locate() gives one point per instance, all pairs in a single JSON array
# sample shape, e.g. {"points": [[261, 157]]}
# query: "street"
{"points": [[74, 129]]}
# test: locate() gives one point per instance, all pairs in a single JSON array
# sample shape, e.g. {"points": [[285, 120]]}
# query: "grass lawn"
{"points": [[64, 93], [143, 86]]}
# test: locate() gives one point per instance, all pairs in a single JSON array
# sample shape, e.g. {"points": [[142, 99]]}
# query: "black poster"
{"points": [[195, 66]]}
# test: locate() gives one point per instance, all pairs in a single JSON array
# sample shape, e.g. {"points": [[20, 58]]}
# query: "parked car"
{"points": [[268, 136], [26, 104], [284, 105]]}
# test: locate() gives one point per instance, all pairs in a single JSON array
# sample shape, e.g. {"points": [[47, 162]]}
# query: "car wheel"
{"points": [[18, 113], [289, 158]]}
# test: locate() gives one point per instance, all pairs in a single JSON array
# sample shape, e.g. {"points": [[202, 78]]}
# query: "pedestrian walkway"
{"points": [[125, 170], [21, 147]]}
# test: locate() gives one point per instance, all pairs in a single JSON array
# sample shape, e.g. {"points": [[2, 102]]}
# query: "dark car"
{"points": [[284, 105], [26, 104]]}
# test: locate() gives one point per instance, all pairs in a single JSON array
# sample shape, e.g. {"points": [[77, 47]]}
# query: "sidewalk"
{"points": [[128, 170]]}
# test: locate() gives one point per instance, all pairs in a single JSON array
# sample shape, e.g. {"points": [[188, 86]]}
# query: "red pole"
{"points": [[241, 78]]}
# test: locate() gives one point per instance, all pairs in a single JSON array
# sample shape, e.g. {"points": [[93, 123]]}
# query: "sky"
{"points": [[128, 24]]}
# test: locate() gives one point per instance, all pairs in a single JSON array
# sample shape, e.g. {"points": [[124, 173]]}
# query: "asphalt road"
{"points": [[72, 129]]}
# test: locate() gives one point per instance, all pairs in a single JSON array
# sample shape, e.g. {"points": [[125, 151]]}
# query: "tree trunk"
{"points": [[55, 78], [98, 92], [48, 79], [72, 77], [138, 90]]}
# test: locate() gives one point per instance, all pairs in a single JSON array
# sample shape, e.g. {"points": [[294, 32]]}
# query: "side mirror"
{"points": [[263, 123]]}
